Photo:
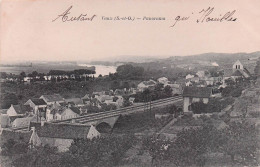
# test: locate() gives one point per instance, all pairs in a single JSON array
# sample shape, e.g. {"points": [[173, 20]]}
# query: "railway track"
{"points": [[112, 113], [125, 110]]}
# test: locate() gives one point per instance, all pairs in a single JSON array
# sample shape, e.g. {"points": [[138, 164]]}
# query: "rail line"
{"points": [[112, 113]]}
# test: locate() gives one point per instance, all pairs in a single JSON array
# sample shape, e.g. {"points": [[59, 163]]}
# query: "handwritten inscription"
{"points": [[66, 17], [206, 16], [203, 16]]}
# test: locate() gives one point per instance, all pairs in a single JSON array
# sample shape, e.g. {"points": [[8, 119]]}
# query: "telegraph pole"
{"points": [[150, 106]]}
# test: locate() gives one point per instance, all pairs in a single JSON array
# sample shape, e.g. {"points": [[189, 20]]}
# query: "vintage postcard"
{"points": [[125, 83]]}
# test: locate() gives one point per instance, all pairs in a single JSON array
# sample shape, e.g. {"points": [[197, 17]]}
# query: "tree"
{"points": [[198, 107], [3, 75], [115, 85], [158, 87], [22, 75], [8, 99], [172, 109], [157, 149], [189, 147], [126, 85], [230, 82], [241, 142], [168, 90], [214, 105], [106, 151], [128, 71], [39, 156]]}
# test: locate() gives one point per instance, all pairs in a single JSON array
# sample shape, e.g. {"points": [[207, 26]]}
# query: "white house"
{"points": [[25, 122], [51, 110], [189, 76], [195, 94], [163, 80], [189, 83], [62, 135], [146, 85], [176, 88], [15, 110], [120, 101], [201, 74], [37, 105], [66, 113], [131, 100]]}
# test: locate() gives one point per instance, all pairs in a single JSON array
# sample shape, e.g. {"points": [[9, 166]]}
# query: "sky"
{"points": [[27, 32]]}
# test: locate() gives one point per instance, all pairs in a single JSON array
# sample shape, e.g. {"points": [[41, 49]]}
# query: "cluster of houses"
{"points": [[50, 108], [204, 79], [176, 88], [198, 92]]}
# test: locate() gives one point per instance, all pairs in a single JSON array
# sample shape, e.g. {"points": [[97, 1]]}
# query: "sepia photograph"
{"points": [[129, 83]]}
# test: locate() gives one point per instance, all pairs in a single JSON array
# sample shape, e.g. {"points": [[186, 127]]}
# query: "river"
{"points": [[101, 69]]}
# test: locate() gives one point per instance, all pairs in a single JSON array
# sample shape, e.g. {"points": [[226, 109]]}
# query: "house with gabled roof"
{"points": [[15, 110], [146, 85], [37, 105], [195, 94], [189, 76], [66, 113], [163, 80], [25, 121], [51, 99], [62, 135], [86, 99], [51, 110]]}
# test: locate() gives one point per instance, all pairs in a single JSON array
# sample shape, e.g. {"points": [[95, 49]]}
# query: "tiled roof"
{"points": [[38, 101], [63, 131], [76, 110], [52, 98], [22, 122], [200, 92], [247, 71], [19, 109], [74, 100], [237, 73]]}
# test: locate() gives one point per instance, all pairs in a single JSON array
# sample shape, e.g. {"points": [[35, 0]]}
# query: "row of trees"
{"points": [[40, 76]]}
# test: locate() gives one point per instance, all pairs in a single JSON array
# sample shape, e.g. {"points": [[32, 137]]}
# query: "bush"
{"points": [[236, 92]]}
